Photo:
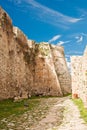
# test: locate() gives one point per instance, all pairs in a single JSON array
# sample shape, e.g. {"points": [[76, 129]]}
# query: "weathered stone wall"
{"points": [[76, 66], [27, 68], [79, 77], [46, 80], [61, 68]]}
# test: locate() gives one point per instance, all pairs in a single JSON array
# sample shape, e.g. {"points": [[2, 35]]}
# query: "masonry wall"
{"points": [[76, 68], [61, 68], [27, 68], [79, 77]]}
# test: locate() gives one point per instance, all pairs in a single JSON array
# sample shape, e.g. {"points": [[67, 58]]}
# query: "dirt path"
{"points": [[53, 118], [51, 114], [48, 113], [71, 120]]}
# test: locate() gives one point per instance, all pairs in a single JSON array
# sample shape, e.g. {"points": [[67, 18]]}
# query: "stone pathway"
{"points": [[45, 115], [72, 120], [62, 115], [53, 118]]}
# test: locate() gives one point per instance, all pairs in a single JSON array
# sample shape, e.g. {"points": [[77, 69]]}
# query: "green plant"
{"points": [[8, 107], [44, 49], [82, 109]]}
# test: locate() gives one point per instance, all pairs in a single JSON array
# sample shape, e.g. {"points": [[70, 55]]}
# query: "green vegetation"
{"points": [[30, 111], [44, 49], [9, 108], [83, 111], [44, 52]]}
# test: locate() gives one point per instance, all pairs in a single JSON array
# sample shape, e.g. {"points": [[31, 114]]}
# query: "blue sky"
{"points": [[62, 22]]}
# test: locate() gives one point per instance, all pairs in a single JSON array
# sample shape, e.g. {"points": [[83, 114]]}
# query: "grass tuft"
{"points": [[8, 107], [82, 109]]}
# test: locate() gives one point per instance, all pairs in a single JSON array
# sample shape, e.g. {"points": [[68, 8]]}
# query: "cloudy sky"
{"points": [[61, 22]]}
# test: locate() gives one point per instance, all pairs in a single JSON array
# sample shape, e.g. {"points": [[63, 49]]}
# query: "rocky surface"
{"points": [[27, 68], [50, 114], [47, 114]]}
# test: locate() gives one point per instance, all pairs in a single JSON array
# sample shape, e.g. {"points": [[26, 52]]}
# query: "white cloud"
{"points": [[82, 11], [56, 37], [48, 15], [77, 35], [62, 42], [75, 20], [84, 34], [79, 39]]}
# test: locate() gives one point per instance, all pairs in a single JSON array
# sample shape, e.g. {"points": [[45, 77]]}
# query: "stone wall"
{"points": [[27, 68], [79, 76], [76, 66], [61, 68]]}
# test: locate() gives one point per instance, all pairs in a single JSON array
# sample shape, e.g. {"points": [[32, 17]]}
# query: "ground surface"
{"points": [[50, 114]]}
